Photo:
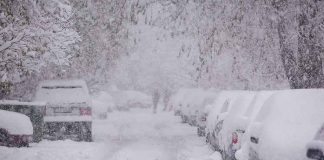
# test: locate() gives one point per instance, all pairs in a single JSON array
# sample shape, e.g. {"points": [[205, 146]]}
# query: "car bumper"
{"points": [[67, 130], [67, 119]]}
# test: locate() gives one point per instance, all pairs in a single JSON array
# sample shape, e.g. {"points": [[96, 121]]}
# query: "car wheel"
{"points": [[85, 132]]}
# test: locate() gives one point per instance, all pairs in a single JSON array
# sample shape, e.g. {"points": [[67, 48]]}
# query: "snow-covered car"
{"points": [[190, 101], [315, 148], [234, 124], [102, 103], [244, 122], [201, 120], [219, 111], [16, 129], [177, 101], [202, 112], [288, 120], [69, 110]]}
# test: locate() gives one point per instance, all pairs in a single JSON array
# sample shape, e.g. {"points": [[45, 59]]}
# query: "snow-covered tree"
{"points": [[33, 35]]}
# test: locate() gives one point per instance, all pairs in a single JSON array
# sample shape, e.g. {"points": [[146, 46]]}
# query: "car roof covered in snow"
{"points": [[19, 103], [15, 123], [63, 91], [291, 118]]}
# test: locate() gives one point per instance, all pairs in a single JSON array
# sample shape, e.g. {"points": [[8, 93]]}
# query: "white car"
{"points": [[203, 111], [288, 120], [217, 114], [16, 129], [237, 120], [69, 110], [102, 103], [245, 122], [177, 101]]}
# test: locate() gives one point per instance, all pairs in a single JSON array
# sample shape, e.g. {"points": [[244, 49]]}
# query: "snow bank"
{"points": [[15, 123], [63, 91], [294, 116]]}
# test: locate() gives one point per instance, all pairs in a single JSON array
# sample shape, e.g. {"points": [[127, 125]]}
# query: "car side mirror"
{"points": [[254, 140]]}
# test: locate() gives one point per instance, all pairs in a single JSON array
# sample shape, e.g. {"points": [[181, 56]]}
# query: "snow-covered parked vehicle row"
{"points": [[69, 110], [16, 129], [259, 125]]}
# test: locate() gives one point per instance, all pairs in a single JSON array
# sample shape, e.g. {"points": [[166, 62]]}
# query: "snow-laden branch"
{"points": [[8, 44]]}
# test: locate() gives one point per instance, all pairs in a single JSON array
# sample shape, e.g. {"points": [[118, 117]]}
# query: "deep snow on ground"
{"points": [[135, 135]]}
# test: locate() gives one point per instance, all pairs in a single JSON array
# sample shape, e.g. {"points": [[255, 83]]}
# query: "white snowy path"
{"points": [[134, 135]]}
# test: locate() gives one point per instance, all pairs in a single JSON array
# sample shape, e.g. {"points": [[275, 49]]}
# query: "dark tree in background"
{"points": [[300, 30]]}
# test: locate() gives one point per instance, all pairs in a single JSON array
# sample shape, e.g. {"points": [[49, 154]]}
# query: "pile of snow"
{"points": [[63, 91], [102, 103], [292, 119], [15, 123]]}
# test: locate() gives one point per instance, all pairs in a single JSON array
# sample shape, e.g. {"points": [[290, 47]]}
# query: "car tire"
{"points": [[85, 132]]}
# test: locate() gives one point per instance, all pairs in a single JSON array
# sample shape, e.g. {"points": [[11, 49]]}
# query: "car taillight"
{"points": [[234, 138], [85, 111]]}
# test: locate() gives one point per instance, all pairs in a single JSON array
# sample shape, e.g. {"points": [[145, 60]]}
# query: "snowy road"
{"points": [[134, 135]]}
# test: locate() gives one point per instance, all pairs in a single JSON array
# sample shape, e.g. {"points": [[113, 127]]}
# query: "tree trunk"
{"points": [[305, 69]]}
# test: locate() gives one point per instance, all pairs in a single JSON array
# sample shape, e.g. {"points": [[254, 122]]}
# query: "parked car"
{"points": [[215, 118], [288, 120], [102, 103], [202, 113], [34, 110], [245, 121], [201, 120], [234, 124], [69, 110], [16, 129], [187, 102], [315, 147]]}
